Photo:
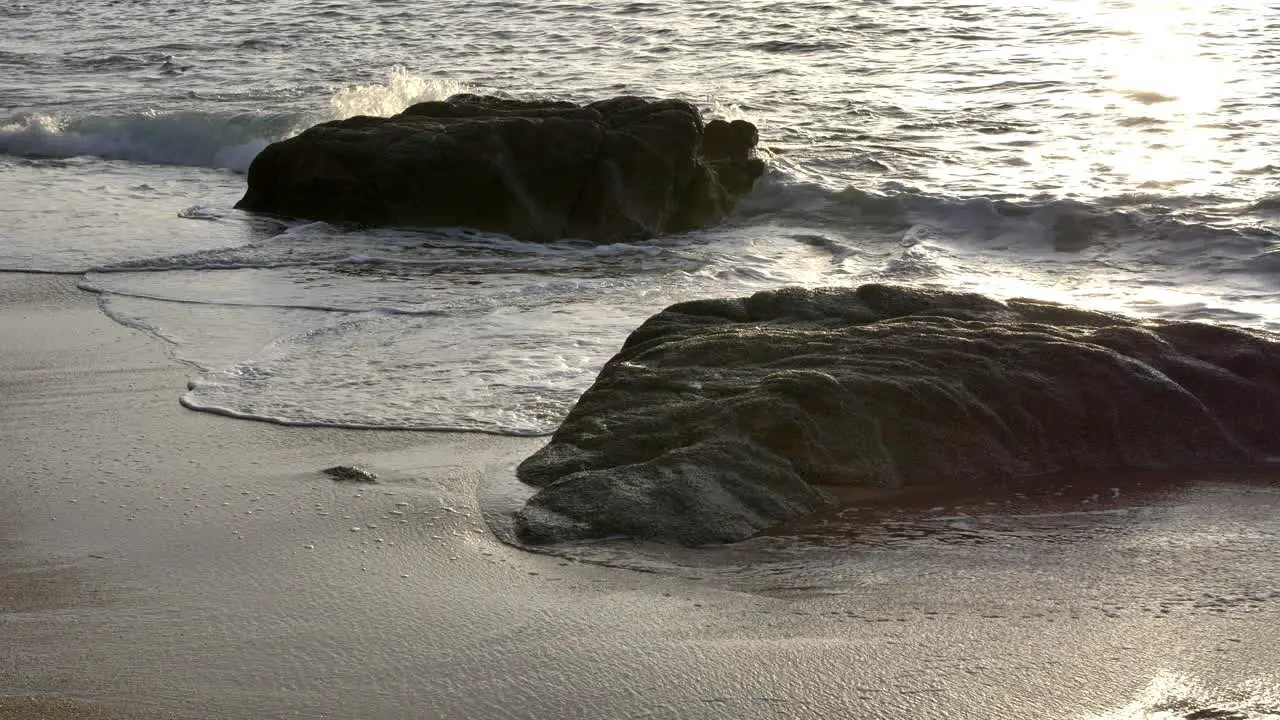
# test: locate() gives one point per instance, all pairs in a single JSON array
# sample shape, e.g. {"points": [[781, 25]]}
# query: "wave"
{"points": [[1162, 225], [215, 139], [202, 139]]}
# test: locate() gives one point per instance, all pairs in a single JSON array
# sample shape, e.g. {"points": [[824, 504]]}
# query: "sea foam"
{"points": [[219, 139]]}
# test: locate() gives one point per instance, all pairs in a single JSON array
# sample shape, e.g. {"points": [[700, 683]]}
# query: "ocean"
{"points": [[1118, 155]]}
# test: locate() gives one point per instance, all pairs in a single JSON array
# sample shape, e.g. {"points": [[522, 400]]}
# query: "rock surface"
{"points": [[351, 473], [718, 418], [613, 170]]}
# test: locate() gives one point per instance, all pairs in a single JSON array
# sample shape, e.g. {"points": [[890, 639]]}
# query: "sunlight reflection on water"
{"points": [[1173, 696]]}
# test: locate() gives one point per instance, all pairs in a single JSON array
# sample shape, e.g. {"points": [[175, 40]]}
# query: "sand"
{"points": [[158, 562]]}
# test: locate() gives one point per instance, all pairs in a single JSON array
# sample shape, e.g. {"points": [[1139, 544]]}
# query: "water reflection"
{"points": [[1174, 696], [1165, 92]]}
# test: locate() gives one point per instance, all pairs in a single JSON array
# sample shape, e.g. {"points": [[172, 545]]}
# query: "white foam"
{"points": [[401, 89], [229, 140]]}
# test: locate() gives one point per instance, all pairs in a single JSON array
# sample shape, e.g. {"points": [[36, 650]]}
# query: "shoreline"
{"points": [[161, 562]]}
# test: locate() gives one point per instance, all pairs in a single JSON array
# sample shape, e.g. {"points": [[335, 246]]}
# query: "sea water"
{"points": [[1114, 154]]}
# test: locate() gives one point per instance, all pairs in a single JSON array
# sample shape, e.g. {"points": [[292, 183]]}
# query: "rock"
{"points": [[719, 418], [614, 170], [350, 473]]}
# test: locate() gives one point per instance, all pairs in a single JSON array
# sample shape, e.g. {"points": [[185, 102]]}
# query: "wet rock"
{"points": [[719, 418], [614, 170], [350, 473]]}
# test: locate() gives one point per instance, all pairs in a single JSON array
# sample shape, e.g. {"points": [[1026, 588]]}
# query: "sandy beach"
{"points": [[158, 562]]}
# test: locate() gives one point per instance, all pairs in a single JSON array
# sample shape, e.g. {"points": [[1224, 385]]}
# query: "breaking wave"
{"points": [[227, 140]]}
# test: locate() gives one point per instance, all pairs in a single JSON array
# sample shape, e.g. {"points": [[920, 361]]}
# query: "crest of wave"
{"points": [[401, 89], [208, 139]]}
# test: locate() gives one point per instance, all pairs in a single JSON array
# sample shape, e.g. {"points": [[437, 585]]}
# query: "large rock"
{"points": [[613, 170], [718, 418]]}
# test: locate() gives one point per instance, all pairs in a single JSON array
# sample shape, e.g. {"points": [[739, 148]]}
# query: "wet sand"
{"points": [[158, 562]]}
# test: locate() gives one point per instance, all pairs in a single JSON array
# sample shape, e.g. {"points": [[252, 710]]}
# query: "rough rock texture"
{"points": [[613, 170], [719, 417], [351, 473]]}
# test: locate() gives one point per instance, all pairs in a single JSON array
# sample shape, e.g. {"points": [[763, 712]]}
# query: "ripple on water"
{"points": [[1074, 89]]}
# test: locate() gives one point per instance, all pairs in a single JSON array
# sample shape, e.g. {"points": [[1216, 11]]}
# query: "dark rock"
{"points": [[614, 170], [350, 473], [718, 418]]}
